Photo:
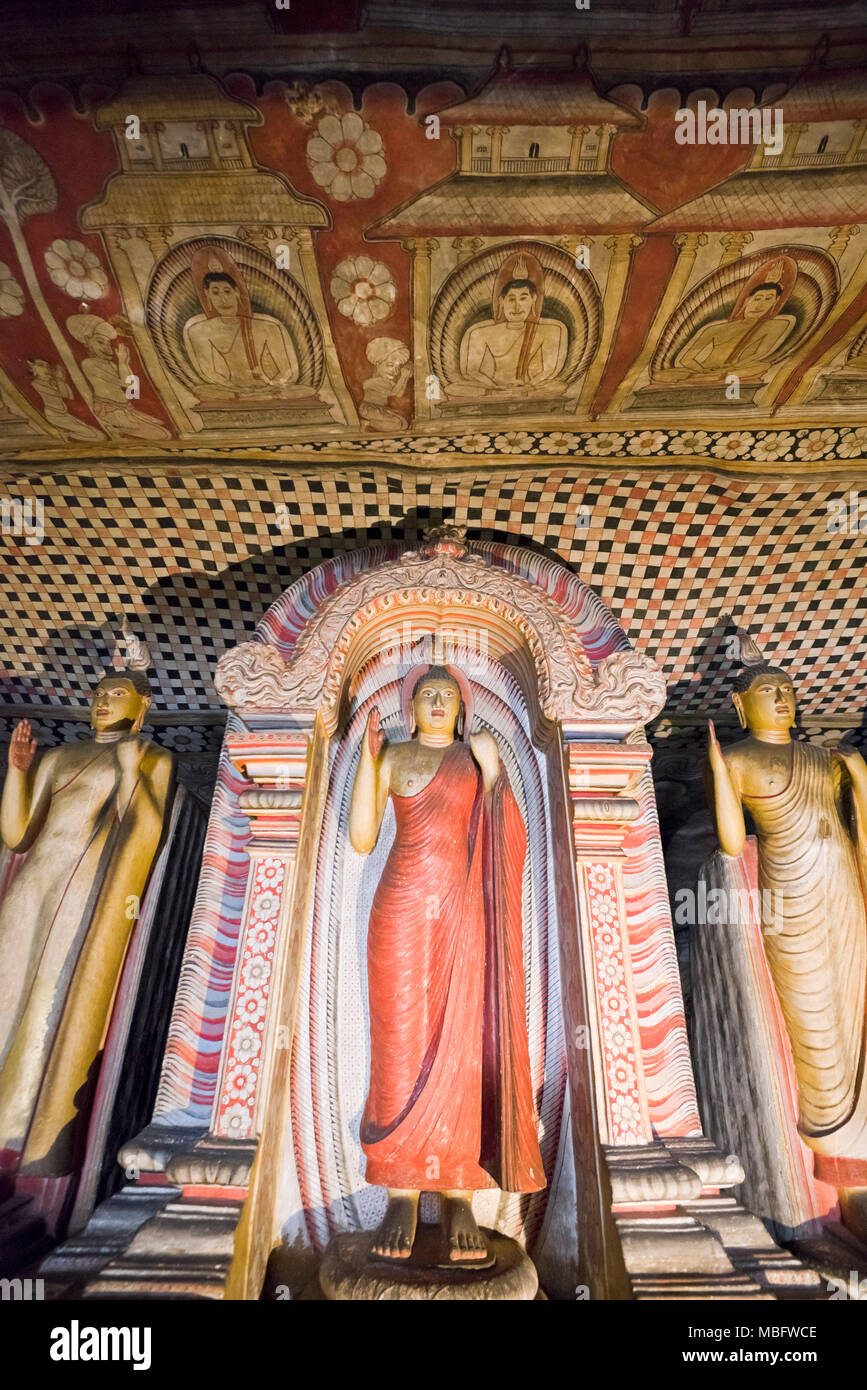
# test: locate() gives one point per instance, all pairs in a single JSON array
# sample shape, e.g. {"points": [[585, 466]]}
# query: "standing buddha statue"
{"points": [[809, 808], [450, 1105], [90, 817]]}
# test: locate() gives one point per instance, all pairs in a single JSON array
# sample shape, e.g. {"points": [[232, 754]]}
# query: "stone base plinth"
{"points": [[348, 1273]]}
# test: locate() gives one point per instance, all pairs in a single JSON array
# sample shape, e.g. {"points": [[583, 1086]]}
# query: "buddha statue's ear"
{"points": [[144, 706], [738, 703]]}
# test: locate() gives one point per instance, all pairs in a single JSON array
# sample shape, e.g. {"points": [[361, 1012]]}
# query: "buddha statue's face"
{"points": [[436, 705], [224, 297], [768, 705], [518, 303], [116, 706], [760, 302]]}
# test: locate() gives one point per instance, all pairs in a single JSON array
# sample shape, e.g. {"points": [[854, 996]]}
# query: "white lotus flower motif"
{"points": [[853, 443], [730, 446], [604, 443], [816, 444], [11, 294], [363, 289], [76, 269], [345, 157], [772, 446], [237, 1121], [514, 442], [625, 1113]]}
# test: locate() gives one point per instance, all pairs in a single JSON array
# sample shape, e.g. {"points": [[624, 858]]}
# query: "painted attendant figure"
{"points": [[450, 1106]]}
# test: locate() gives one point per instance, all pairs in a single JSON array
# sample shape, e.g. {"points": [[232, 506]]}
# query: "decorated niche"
{"points": [[239, 333], [269, 1137], [728, 333], [215, 261], [515, 326]]}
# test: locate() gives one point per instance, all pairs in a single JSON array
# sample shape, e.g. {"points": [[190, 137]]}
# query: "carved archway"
{"points": [[444, 583]]}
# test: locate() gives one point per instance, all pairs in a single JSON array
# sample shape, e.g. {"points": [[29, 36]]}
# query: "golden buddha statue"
{"points": [[90, 817], [450, 1104], [809, 808]]}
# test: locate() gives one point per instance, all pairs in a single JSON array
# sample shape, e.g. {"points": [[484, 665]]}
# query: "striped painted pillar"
{"points": [[599, 778], [276, 764]]}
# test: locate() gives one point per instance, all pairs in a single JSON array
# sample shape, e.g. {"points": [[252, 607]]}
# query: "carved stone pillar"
{"points": [[422, 250], [215, 1172], [733, 244], [276, 764], [599, 776]]}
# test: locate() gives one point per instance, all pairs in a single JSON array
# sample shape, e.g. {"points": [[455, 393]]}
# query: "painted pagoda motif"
{"points": [[771, 270], [216, 262], [520, 318]]}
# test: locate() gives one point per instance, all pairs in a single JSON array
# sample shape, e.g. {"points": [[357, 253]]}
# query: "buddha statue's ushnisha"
{"points": [[90, 817], [809, 808], [450, 1104]]}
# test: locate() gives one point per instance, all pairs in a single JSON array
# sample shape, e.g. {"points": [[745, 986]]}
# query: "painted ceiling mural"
{"points": [[194, 267]]}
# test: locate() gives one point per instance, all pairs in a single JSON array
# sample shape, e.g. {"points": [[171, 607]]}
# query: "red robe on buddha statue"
{"points": [[450, 1104]]}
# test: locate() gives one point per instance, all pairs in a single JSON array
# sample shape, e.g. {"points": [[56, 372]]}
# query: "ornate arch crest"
{"points": [[443, 580]]}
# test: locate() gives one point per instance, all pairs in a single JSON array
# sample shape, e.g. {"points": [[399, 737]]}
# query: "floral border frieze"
{"points": [[802, 445], [616, 1016], [246, 1040]]}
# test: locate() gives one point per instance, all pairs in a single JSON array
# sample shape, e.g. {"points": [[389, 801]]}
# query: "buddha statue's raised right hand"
{"points": [[374, 738], [715, 753], [22, 747]]}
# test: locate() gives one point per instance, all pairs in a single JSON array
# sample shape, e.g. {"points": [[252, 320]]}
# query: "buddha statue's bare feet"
{"points": [[465, 1241], [853, 1209], [396, 1231]]}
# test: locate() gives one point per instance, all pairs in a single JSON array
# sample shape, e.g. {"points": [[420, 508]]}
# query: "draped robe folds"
{"points": [[61, 951], [450, 1104], [811, 879]]}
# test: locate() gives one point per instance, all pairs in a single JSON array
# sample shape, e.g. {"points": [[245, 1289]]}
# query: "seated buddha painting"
{"points": [[233, 330], [739, 323], [516, 347], [747, 340], [233, 349], [518, 326]]}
